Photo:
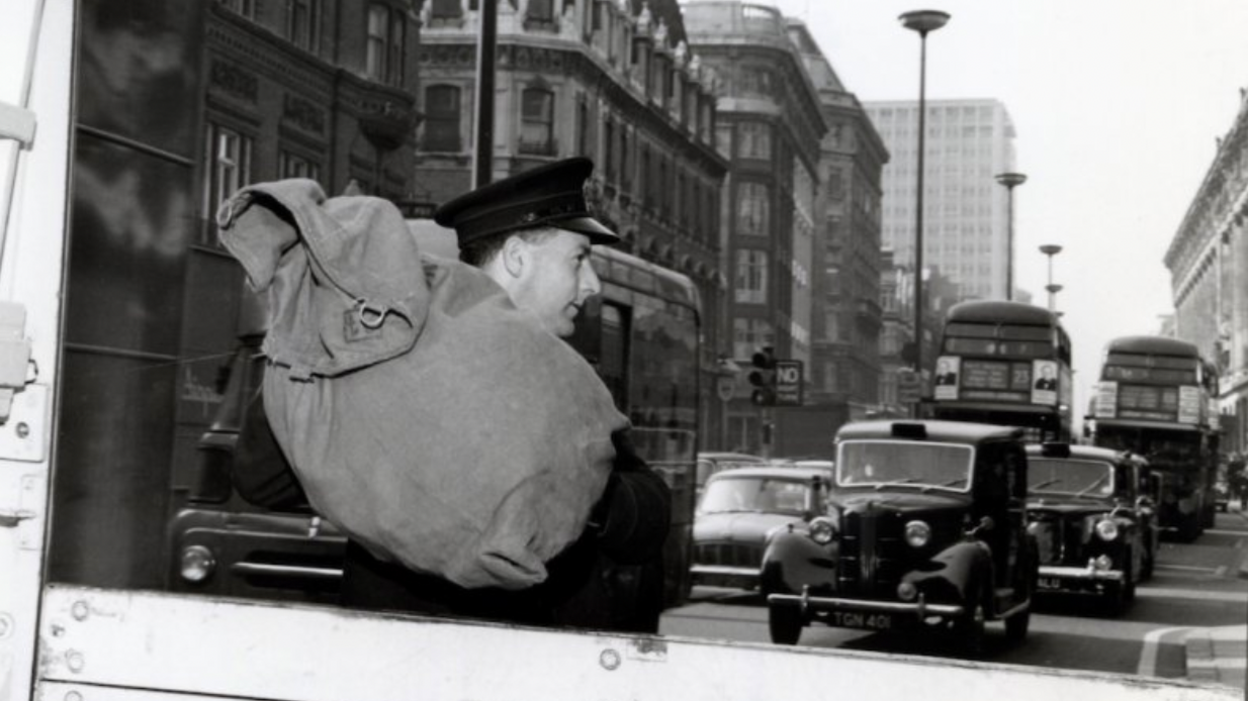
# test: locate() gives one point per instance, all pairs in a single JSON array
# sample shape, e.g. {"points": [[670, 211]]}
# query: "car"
{"points": [[1222, 497], [740, 508], [711, 462], [925, 530], [1095, 527]]}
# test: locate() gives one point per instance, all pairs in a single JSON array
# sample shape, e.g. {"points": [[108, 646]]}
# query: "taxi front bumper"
{"points": [[865, 613]]}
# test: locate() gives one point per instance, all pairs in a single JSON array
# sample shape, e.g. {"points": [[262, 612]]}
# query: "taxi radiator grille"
{"points": [[1059, 541], [872, 555], [728, 554]]}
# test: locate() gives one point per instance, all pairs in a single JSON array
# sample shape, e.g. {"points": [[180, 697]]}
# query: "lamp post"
{"points": [[923, 22], [1050, 250], [1010, 181]]}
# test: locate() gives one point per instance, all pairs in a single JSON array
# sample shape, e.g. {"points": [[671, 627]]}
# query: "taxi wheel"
{"points": [[785, 624], [1016, 626]]}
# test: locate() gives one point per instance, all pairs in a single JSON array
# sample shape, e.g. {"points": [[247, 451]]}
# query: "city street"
{"points": [[1196, 585]]}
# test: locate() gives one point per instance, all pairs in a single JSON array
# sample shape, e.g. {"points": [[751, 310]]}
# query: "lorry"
{"points": [[76, 483]]}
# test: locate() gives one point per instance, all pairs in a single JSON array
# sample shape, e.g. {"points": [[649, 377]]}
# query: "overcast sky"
{"points": [[1117, 105]]}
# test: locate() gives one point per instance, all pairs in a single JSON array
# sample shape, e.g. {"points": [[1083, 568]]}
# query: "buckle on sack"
{"points": [[370, 316]]}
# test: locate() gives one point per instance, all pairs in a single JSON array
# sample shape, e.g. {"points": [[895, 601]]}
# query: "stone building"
{"points": [[770, 126], [322, 89], [613, 80], [965, 210], [847, 318], [1208, 264]]}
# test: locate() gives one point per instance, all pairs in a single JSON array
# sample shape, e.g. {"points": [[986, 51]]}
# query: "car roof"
{"points": [[1085, 451], [731, 457], [792, 473], [937, 431]]}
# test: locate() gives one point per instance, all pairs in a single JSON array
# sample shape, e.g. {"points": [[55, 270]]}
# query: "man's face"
{"points": [[557, 280]]}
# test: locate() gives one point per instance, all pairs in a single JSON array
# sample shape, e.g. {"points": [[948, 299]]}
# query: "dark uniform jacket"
{"points": [[610, 579]]}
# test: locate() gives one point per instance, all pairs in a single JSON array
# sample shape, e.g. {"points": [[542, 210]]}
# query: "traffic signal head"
{"points": [[763, 377]]}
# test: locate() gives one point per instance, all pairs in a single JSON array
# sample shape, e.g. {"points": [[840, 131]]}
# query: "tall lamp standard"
{"points": [[1010, 181], [1050, 250], [923, 22]]}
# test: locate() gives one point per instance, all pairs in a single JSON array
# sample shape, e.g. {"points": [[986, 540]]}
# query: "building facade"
{"points": [[847, 325], [966, 212], [1208, 264], [612, 80], [770, 125], [177, 105]]}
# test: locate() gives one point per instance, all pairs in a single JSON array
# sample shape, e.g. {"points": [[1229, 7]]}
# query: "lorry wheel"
{"points": [[785, 624]]}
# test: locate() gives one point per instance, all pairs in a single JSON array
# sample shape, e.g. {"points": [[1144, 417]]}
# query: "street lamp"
{"points": [[1050, 250], [1010, 181], [921, 21]]}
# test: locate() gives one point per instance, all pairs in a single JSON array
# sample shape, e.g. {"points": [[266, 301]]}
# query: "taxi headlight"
{"points": [[918, 534], [822, 530], [1102, 563], [197, 563], [1107, 529]]}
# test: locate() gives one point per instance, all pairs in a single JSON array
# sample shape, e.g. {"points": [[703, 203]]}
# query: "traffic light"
{"points": [[763, 377]]}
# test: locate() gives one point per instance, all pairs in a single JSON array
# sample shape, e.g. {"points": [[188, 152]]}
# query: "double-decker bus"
{"points": [[1156, 398], [641, 334], [1005, 363]]}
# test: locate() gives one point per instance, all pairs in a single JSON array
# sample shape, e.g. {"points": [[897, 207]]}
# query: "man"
{"points": [[1048, 377], [531, 234]]}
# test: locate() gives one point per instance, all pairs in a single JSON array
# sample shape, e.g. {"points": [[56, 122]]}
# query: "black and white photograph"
{"points": [[623, 349]]}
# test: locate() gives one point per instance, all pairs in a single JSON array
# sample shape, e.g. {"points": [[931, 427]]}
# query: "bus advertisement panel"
{"points": [[1005, 363], [1156, 398]]}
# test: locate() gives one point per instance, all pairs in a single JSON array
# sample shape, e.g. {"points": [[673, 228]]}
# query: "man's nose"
{"points": [[590, 284]]}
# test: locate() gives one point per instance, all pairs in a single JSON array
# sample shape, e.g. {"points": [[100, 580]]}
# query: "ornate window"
{"points": [[446, 9], [442, 119], [753, 209], [386, 49], [227, 165], [748, 335], [293, 165], [750, 286], [303, 24], [537, 122]]}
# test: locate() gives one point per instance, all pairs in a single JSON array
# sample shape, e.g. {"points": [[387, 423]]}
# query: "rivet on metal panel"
{"points": [[75, 660], [73, 696], [609, 659], [80, 610]]}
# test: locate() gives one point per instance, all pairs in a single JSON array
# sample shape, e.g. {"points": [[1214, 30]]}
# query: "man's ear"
{"points": [[514, 255]]}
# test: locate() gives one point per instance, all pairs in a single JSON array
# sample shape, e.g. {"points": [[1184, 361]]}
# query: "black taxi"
{"points": [[925, 529], [1093, 521]]}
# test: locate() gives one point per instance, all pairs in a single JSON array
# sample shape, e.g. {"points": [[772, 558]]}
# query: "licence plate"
{"points": [[1049, 583], [854, 619]]}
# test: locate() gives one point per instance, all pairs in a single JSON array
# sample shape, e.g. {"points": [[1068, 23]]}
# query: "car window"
{"points": [[937, 465], [1071, 477], [754, 494]]}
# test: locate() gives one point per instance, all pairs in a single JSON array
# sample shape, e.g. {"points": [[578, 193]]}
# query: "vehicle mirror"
{"points": [[985, 524]]}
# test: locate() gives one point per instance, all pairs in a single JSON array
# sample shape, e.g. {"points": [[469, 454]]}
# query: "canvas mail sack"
{"points": [[424, 414]]}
